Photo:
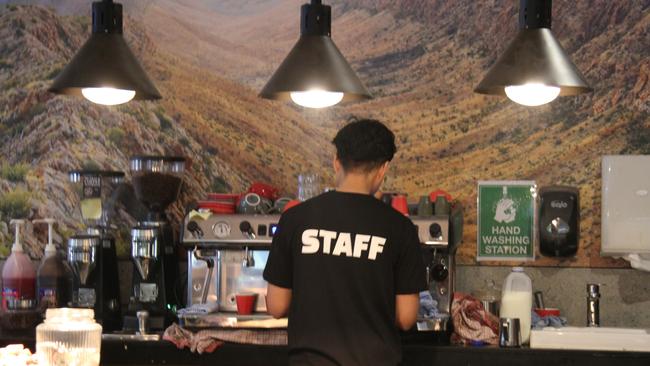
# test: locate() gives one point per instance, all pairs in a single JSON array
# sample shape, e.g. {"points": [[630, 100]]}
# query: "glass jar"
{"points": [[69, 337], [308, 186]]}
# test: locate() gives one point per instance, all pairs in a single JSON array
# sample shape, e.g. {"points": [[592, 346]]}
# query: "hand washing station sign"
{"points": [[506, 220]]}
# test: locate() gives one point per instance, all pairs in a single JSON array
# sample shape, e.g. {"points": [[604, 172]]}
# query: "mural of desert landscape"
{"points": [[420, 59]]}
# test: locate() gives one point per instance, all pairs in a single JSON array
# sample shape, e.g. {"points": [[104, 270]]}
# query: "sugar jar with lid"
{"points": [[68, 337]]}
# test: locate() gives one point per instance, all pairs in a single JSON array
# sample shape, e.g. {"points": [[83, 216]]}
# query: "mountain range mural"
{"points": [[420, 59]]}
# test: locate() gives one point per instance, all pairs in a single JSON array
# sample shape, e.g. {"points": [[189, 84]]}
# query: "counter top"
{"points": [[159, 353], [417, 352]]}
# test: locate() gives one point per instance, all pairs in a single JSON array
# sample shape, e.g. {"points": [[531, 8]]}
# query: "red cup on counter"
{"points": [[400, 204], [548, 312], [245, 303]]}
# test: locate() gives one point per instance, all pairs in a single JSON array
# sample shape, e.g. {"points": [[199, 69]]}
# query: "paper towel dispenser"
{"points": [[625, 206]]}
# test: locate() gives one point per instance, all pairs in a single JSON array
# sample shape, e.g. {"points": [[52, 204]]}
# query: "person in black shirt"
{"points": [[345, 267]]}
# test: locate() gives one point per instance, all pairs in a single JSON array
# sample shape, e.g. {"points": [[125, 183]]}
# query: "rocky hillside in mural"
{"points": [[421, 60], [229, 136]]}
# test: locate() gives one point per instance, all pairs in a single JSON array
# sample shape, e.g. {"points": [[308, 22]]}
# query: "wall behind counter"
{"points": [[625, 293]]}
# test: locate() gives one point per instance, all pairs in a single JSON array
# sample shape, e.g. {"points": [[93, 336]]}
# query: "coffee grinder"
{"points": [[157, 183], [92, 254]]}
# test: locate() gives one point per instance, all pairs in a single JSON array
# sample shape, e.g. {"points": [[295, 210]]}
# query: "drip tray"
{"points": [[232, 320]]}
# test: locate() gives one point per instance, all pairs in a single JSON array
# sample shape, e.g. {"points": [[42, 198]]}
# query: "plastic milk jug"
{"points": [[517, 300]]}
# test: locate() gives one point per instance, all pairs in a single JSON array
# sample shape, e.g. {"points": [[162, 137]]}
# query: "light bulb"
{"points": [[316, 98], [532, 95], [108, 96]]}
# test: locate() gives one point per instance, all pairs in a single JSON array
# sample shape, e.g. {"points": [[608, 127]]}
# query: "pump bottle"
{"points": [[51, 275], [18, 274]]}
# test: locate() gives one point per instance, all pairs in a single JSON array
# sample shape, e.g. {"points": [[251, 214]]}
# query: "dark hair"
{"points": [[364, 144]]}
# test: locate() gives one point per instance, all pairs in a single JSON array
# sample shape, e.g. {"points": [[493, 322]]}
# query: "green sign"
{"points": [[506, 220]]}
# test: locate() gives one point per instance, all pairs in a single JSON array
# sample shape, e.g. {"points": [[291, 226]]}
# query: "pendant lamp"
{"points": [[105, 71], [315, 74], [534, 69]]}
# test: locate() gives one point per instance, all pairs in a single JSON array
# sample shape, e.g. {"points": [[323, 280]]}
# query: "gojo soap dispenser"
{"points": [[559, 221]]}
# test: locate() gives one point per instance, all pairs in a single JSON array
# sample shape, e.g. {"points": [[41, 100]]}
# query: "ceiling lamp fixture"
{"points": [[105, 71], [315, 74], [534, 69]]}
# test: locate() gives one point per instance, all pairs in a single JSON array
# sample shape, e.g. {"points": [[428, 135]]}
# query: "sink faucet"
{"points": [[593, 305]]}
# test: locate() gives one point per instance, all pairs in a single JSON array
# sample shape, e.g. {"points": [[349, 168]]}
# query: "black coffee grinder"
{"points": [[157, 183], [92, 254]]}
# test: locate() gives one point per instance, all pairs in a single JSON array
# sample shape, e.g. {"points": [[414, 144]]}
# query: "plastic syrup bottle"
{"points": [[51, 281], [517, 300], [18, 275]]}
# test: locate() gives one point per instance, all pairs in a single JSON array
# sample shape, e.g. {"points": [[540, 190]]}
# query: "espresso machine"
{"points": [[92, 253], [226, 255], [440, 236], [157, 183]]}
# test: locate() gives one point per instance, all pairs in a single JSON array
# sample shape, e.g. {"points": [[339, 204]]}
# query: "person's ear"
{"points": [[336, 163], [381, 173], [383, 170]]}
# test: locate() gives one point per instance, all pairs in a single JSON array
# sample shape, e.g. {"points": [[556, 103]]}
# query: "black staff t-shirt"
{"points": [[345, 256]]}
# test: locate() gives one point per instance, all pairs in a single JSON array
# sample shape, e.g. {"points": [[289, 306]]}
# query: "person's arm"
{"points": [[406, 310], [278, 271], [278, 300], [410, 279]]}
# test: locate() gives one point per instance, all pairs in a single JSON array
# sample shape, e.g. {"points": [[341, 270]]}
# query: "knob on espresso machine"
{"points": [[247, 229], [435, 230]]}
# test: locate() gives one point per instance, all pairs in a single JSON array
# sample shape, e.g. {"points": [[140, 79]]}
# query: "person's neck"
{"points": [[355, 183]]}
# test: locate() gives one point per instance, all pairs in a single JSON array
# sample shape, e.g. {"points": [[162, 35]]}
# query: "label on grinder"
{"points": [[92, 186]]}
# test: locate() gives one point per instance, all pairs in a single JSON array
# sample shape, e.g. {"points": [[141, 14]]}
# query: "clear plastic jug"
{"points": [[517, 300], [68, 337]]}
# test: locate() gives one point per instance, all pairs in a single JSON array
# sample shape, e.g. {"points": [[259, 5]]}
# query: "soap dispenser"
{"points": [[18, 274], [51, 281]]}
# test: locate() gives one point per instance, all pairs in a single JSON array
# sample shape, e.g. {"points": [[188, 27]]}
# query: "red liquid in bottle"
{"points": [[17, 288]]}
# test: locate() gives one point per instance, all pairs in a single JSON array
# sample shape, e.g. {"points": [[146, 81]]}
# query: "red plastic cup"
{"points": [[399, 203], [245, 303], [548, 312]]}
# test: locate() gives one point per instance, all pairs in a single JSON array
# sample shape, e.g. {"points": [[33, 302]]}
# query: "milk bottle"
{"points": [[517, 300]]}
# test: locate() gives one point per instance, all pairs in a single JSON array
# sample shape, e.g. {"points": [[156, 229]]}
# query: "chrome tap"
{"points": [[593, 305]]}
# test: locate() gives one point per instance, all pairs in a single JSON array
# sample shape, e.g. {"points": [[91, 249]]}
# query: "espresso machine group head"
{"points": [[157, 182], [92, 254], [227, 254]]}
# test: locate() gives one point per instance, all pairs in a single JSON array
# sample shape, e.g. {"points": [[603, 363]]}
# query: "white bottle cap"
{"points": [[50, 249], [17, 247]]}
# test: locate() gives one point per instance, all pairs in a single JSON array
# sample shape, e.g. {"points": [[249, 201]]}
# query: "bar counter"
{"points": [[416, 352]]}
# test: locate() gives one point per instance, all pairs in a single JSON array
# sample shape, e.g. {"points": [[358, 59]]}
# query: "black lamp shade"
{"points": [[105, 60], [534, 56], [315, 63]]}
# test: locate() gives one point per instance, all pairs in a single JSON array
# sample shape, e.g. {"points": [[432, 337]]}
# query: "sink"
{"points": [[597, 339]]}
